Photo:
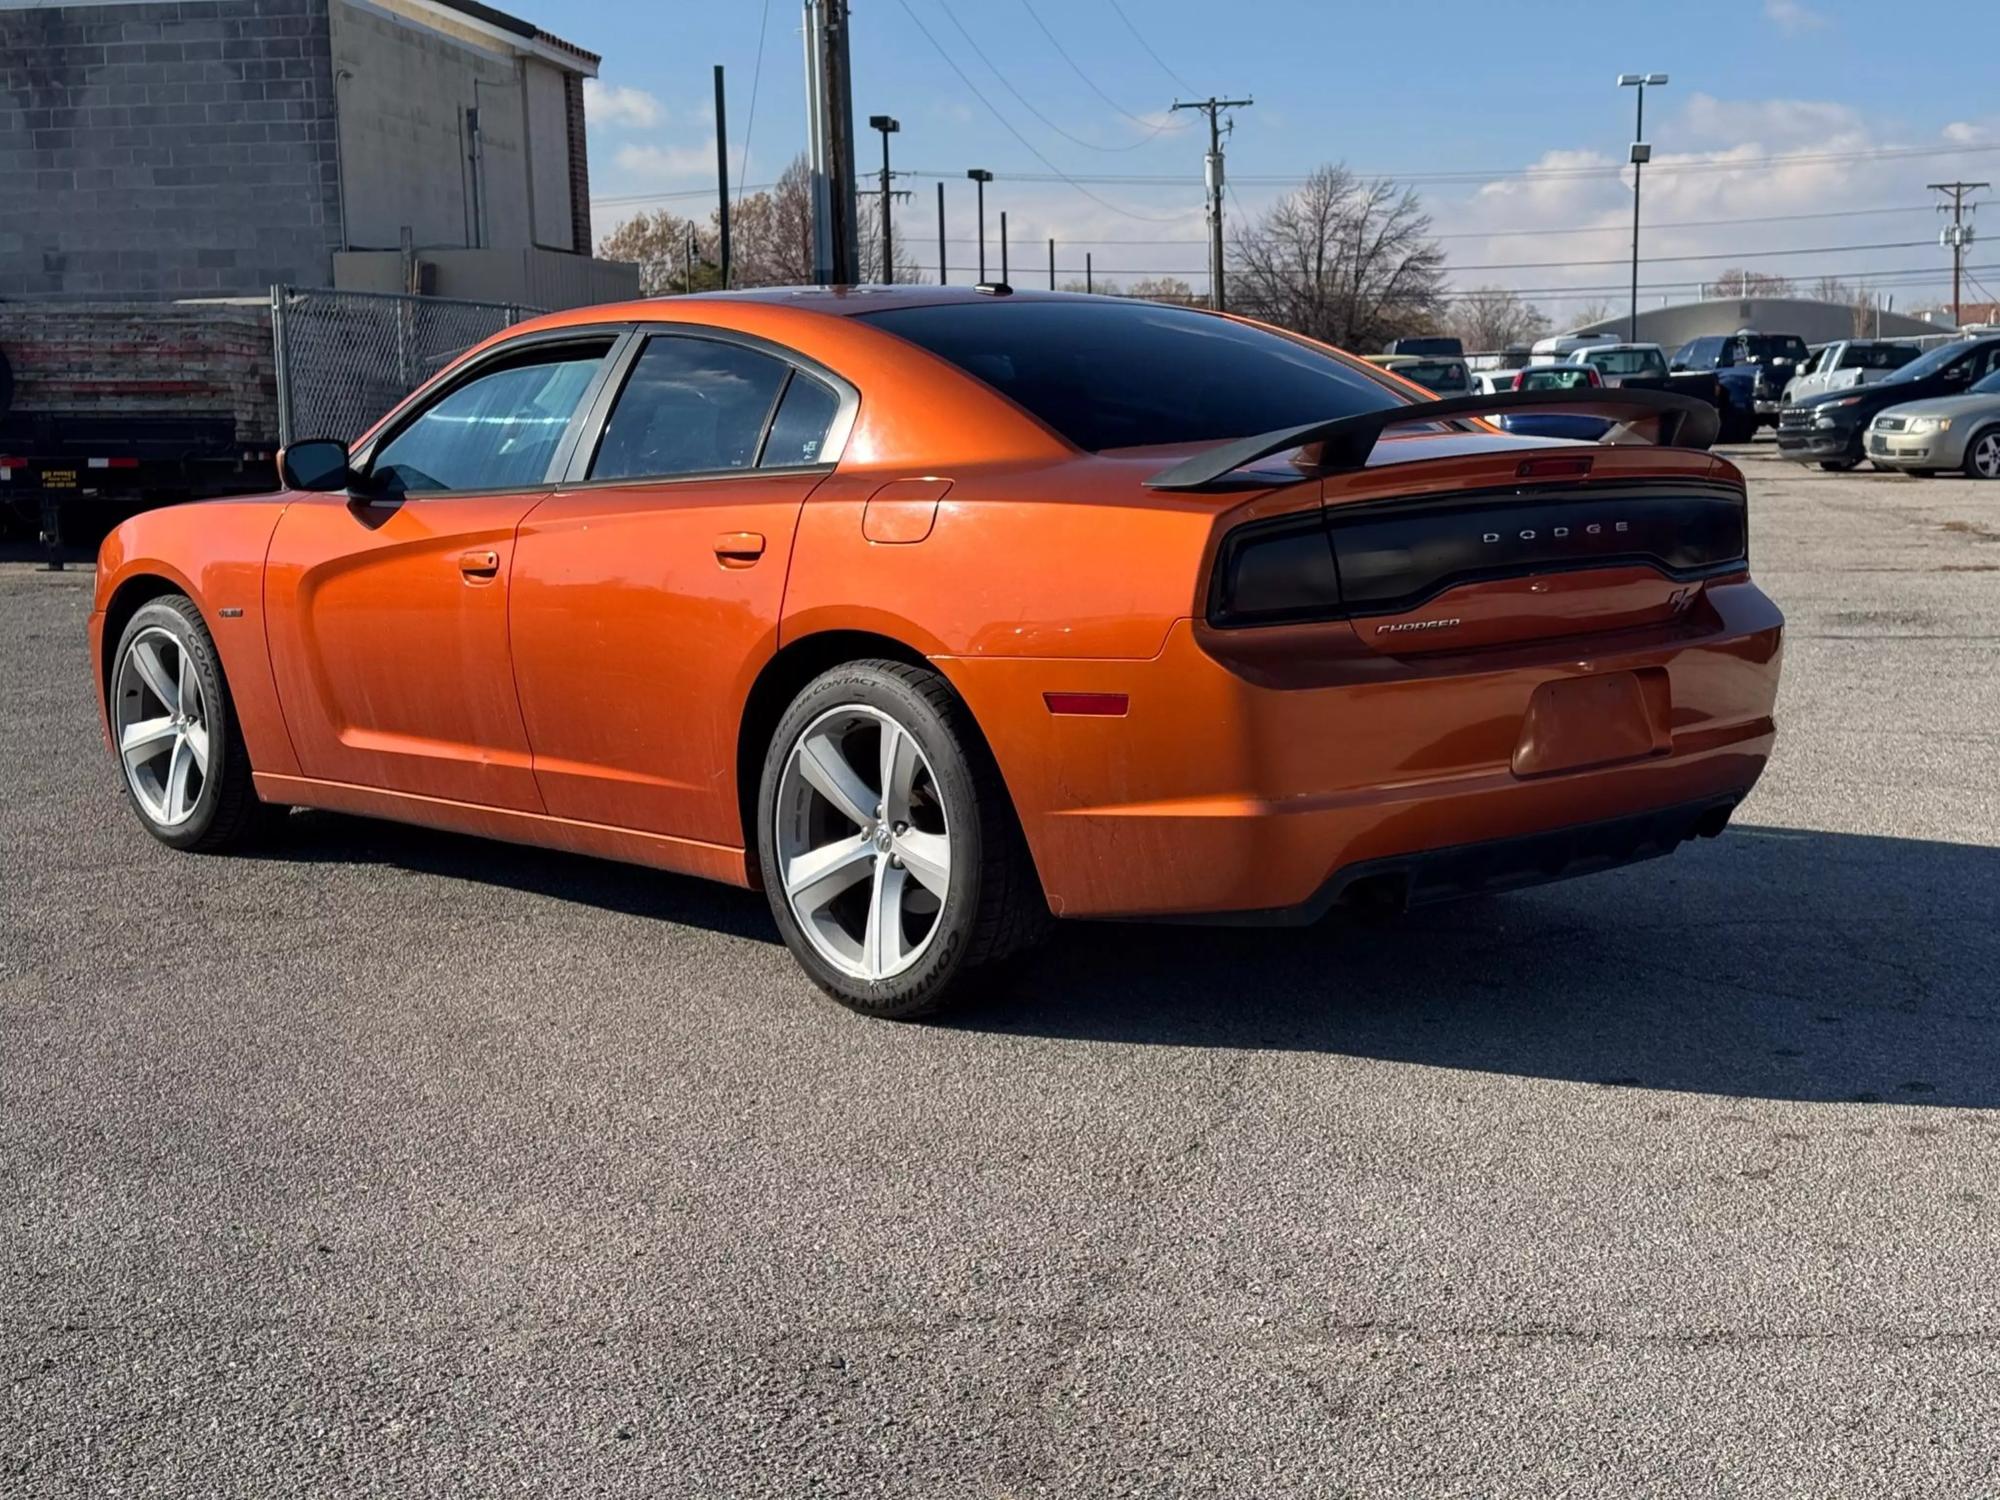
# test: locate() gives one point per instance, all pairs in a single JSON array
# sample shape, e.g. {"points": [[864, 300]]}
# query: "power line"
{"points": [[1008, 125], [1091, 83], [1148, 46], [1022, 99], [1539, 174], [750, 124]]}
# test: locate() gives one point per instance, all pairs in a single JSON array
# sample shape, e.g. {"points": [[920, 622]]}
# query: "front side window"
{"points": [[1112, 375], [497, 431], [690, 406]]}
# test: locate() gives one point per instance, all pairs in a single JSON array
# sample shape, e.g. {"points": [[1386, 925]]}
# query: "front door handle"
{"points": [[739, 549], [479, 565]]}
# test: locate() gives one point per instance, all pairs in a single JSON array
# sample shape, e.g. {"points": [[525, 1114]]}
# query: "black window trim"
{"points": [[576, 471], [425, 397]]}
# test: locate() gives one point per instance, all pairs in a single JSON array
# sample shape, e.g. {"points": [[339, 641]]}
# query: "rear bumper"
{"points": [[1224, 793]]}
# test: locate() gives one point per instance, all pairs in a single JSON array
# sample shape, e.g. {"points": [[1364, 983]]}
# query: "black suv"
{"points": [[1829, 429]]}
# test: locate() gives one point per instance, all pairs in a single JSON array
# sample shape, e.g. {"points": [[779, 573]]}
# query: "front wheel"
{"points": [[889, 851], [173, 725], [1982, 457]]}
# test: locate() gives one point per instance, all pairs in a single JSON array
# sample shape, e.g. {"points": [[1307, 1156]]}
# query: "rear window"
{"points": [[1877, 356], [1112, 375], [1627, 361], [1561, 378]]}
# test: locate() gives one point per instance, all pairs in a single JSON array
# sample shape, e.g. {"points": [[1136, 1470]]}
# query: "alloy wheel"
{"points": [[160, 720], [1986, 455], [864, 848]]}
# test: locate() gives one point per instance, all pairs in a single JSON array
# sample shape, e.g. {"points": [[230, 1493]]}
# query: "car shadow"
{"points": [[1769, 963]]}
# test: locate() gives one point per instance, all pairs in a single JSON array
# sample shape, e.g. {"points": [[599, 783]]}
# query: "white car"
{"points": [[1493, 382], [1617, 362]]}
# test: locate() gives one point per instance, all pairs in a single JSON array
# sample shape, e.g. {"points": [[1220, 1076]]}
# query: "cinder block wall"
{"points": [[172, 149]]}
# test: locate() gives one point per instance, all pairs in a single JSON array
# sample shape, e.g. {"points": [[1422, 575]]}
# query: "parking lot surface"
{"points": [[391, 1163]]}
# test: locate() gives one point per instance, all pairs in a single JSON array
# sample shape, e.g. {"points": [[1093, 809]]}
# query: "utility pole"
{"points": [[722, 173], [1089, 280], [1212, 107], [1641, 154], [981, 176], [943, 266], [1003, 248], [1052, 265], [830, 120], [888, 126], [1958, 234]]}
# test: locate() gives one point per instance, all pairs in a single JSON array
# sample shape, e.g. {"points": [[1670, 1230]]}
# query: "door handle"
{"points": [[479, 565], [739, 549]]}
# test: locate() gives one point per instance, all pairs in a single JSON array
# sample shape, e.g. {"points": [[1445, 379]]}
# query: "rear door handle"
{"points": [[479, 565], [739, 549]]}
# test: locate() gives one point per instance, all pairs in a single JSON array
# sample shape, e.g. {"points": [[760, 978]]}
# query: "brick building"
{"points": [[178, 148]]}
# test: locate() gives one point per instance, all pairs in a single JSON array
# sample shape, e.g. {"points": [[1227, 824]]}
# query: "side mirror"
{"points": [[315, 464]]}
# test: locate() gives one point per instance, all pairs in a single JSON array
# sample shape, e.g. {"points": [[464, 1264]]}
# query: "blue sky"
{"points": [[1783, 118]]}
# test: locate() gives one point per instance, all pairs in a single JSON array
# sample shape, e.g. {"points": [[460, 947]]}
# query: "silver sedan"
{"points": [[1944, 432]]}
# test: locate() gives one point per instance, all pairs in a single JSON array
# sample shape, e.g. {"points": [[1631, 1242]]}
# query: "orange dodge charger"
{"points": [[937, 612]]}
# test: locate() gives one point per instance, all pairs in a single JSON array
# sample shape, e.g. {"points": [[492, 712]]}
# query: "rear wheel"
{"points": [[888, 848], [1982, 455], [174, 727]]}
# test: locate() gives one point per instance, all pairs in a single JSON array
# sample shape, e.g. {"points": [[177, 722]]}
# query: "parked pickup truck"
{"points": [[1848, 363], [1753, 367], [1644, 367], [118, 405]]}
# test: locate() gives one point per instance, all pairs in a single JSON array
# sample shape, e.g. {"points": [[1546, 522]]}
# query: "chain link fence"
{"points": [[345, 358]]}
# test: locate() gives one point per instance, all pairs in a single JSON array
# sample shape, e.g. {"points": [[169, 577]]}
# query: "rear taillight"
{"points": [[1273, 572]]}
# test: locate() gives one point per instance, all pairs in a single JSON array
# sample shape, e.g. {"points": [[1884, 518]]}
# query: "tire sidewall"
{"points": [[916, 989], [179, 619]]}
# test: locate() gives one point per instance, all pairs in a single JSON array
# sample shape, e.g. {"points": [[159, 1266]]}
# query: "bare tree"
{"points": [[1854, 296], [1738, 282], [1163, 289], [1492, 317], [1599, 311], [770, 242], [659, 244], [1343, 260]]}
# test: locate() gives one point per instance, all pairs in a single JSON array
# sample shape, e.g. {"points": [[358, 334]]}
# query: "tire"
{"points": [[165, 673], [1736, 428], [1837, 465], [1921, 473], [1982, 455], [937, 946]]}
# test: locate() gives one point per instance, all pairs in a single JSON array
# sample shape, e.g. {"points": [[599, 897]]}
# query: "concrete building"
{"points": [[175, 148], [1814, 321]]}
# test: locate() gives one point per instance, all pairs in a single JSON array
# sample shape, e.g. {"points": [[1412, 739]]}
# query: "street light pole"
{"points": [[1641, 154], [981, 176], [888, 127]]}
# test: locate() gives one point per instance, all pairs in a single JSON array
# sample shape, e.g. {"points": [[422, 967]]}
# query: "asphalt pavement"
{"points": [[390, 1163]]}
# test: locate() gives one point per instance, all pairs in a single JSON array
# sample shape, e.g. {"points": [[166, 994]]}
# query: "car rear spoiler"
{"points": [[1673, 421]]}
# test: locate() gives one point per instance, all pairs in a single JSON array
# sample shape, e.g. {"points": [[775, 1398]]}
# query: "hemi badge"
{"points": [[232, 612]]}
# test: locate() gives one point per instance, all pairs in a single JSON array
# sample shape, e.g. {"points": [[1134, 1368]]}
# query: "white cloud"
{"points": [[610, 104], [1723, 169], [1973, 132], [664, 166], [1791, 17]]}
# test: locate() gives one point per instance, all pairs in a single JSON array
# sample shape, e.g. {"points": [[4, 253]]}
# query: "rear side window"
{"points": [[690, 406], [798, 432], [1877, 356], [1112, 375], [497, 431]]}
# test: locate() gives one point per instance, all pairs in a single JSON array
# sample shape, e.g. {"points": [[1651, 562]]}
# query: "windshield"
{"points": [[1628, 361], [1110, 374], [1926, 365], [1755, 348]]}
